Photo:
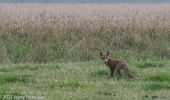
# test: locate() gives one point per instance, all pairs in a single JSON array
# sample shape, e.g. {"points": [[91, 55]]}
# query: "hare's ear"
{"points": [[101, 54], [107, 53]]}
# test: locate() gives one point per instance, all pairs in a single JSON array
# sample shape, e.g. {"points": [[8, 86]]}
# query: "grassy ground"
{"points": [[47, 33], [86, 80]]}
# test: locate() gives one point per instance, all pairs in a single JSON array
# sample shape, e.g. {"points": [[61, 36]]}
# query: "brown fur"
{"points": [[116, 66]]}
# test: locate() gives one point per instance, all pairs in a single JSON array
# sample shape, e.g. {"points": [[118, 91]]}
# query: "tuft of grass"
{"points": [[57, 67], [13, 79], [158, 77], [105, 93], [100, 72], [150, 64], [66, 85], [19, 51], [5, 69], [26, 67], [19, 68], [157, 86]]}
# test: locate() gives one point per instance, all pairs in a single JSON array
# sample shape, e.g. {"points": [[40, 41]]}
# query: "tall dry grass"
{"points": [[57, 32]]}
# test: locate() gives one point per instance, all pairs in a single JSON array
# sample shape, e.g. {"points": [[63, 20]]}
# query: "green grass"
{"points": [[158, 77], [66, 85], [150, 64], [12, 79], [84, 80], [157, 86], [57, 58]]}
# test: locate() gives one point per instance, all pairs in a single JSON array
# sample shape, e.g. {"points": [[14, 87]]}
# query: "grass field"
{"points": [[77, 32], [51, 51], [85, 80]]}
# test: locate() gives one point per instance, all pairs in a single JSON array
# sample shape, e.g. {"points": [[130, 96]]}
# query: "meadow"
{"points": [[52, 51]]}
